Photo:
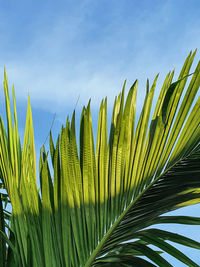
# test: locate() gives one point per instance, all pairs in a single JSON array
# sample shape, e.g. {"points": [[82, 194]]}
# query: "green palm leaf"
{"points": [[97, 207]]}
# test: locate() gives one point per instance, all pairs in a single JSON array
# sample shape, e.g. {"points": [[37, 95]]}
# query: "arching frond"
{"points": [[96, 208]]}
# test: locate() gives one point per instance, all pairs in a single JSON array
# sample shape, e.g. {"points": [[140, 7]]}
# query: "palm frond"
{"points": [[97, 207]]}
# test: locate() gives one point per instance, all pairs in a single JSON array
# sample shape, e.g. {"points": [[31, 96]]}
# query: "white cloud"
{"points": [[74, 55]]}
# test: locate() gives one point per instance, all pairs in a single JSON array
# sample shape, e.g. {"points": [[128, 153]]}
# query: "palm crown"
{"points": [[96, 209]]}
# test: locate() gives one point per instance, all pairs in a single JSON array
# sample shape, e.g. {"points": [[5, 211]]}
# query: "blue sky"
{"points": [[67, 50]]}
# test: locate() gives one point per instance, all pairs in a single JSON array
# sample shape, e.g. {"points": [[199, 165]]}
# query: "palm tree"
{"points": [[96, 208]]}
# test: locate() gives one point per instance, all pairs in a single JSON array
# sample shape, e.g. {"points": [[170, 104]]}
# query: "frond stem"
{"points": [[113, 227]]}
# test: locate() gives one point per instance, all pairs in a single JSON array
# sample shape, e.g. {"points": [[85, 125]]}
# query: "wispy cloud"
{"points": [[79, 51]]}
